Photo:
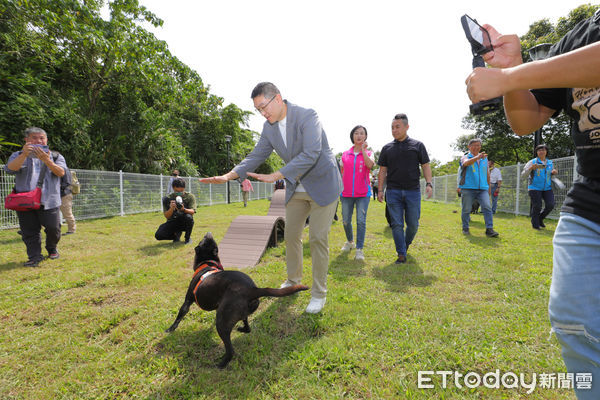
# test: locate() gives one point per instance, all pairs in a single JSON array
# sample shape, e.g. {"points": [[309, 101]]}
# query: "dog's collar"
{"points": [[212, 264]]}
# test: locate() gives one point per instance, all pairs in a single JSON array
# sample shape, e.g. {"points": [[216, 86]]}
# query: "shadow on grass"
{"points": [[400, 276], [13, 240], [345, 266], [158, 248], [13, 265], [277, 334]]}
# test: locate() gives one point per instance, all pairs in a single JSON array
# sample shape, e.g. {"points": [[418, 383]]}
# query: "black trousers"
{"points": [[31, 223], [172, 229], [536, 212]]}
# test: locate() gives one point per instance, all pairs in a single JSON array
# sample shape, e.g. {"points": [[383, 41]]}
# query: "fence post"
{"points": [[446, 189], [161, 187], [574, 169], [210, 194], [518, 188], [121, 190]]}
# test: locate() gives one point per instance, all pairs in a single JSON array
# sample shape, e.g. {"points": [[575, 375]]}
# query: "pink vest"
{"points": [[356, 176]]}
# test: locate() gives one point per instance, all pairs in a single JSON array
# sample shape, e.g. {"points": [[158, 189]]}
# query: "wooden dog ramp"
{"points": [[249, 236]]}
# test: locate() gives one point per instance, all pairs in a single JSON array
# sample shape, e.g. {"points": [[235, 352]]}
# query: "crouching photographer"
{"points": [[179, 209]]}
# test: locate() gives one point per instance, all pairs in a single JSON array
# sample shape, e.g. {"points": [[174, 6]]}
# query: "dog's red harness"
{"points": [[205, 269]]}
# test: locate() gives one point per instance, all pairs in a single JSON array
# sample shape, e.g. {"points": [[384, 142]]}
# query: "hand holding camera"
{"points": [[179, 203]]}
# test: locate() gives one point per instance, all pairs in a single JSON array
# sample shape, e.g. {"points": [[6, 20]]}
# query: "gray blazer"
{"points": [[307, 156]]}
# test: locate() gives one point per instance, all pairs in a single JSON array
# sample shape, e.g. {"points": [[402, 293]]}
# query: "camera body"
{"points": [[179, 203]]}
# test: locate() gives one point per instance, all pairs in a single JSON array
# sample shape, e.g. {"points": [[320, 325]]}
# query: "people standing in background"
{"points": [[28, 165], [495, 183], [246, 189], [356, 170], [174, 175], [66, 201], [539, 173], [474, 186]]}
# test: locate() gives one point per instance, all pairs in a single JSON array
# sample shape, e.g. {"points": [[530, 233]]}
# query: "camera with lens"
{"points": [[179, 203]]}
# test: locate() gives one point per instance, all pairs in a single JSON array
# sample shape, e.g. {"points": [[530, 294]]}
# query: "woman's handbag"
{"points": [[26, 201]]}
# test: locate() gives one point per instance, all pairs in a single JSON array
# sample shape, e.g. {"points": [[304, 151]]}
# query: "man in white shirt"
{"points": [[495, 183]]}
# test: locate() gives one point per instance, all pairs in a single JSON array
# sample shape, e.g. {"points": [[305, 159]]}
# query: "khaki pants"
{"points": [[66, 208], [297, 210]]}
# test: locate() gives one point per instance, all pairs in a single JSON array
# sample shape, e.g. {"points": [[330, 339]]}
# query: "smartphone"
{"points": [[45, 149], [477, 35]]}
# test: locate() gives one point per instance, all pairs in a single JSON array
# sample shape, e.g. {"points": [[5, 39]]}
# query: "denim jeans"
{"points": [[494, 198], [404, 206], [575, 297], [362, 204], [483, 197], [536, 213]]}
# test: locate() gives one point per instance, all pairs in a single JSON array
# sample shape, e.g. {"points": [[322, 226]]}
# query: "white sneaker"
{"points": [[348, 246], [359, 255], [315, 305], [285, 284]]}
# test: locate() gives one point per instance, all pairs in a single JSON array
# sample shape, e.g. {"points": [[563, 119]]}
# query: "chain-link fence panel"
{"points": [[107, 193]]}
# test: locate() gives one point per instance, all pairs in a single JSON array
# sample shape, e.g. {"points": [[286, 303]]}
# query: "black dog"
{"points": [[232, 293]]}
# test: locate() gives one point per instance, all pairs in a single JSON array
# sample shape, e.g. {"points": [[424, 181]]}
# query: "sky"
{"points": [[353, 62]]}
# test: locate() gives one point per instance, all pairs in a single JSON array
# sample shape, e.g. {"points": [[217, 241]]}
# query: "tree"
{"points": [[108, 92]]}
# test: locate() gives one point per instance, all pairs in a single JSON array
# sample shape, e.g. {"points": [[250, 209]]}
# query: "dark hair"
{"points": [[266, 89], [178, 182], [541, 146], [401, 116], [354, 130]]}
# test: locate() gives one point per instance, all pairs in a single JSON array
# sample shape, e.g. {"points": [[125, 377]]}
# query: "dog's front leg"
{"points": [[182, 312]]}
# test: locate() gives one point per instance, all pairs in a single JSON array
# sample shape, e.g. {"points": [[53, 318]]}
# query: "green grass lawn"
{"points": [[90, 325]]}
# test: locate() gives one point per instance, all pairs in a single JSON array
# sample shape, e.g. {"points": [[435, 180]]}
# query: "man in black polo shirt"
{"points": [[399, 165]]}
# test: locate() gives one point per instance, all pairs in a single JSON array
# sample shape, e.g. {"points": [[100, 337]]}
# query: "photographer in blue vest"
{"points": [[475, 185], [539, 173]]}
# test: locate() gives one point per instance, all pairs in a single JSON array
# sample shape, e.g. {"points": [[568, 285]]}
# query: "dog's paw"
{"points": [[244, 329], [224, 361]]}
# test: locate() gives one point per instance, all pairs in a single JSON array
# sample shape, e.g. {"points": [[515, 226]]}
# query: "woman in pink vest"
{"points": [[356, 168]]}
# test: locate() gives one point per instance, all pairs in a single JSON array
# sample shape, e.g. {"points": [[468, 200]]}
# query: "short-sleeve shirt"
{"points": [[495, 175], [189, 201], [583, 105], [402, 160], [27, 176]]}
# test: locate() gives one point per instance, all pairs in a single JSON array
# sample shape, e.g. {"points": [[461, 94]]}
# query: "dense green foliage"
{"points": [[499, 141], [108, 92]]}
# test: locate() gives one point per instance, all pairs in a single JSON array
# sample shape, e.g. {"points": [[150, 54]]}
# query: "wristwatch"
{"points": [[429, 184]]}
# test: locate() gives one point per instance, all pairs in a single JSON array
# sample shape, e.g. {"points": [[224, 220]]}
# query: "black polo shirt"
{"points": [[402, 160]]}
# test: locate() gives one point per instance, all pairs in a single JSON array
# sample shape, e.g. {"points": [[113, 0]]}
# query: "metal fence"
{"points": [[513, 197], [106, 193]]}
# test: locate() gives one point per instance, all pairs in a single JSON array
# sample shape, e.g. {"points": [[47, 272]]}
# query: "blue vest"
{"points": [[477, 175], [539, 179]]}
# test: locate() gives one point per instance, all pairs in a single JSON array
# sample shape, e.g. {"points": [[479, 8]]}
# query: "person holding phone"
{"points": [[34, 159], [568, 80]]}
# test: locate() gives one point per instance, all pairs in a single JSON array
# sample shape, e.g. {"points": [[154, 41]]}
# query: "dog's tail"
{"points": [[261, 292]]}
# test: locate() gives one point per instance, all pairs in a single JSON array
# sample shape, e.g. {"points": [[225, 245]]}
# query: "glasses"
{"points": [[262, 108]]}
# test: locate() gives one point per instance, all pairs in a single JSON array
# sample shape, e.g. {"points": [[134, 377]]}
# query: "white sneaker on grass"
{"points": [[359, 255], [315, 305], [348, 246]]}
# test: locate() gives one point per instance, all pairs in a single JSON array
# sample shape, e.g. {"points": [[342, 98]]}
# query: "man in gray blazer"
{"points": [[313, 181]]}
